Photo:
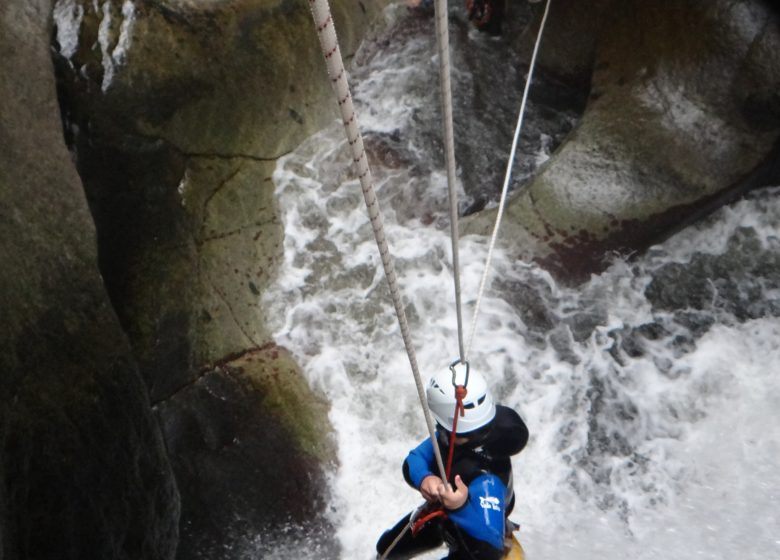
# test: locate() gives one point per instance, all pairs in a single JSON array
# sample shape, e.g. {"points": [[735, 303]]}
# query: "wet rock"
{"points": [[181, 195], [177, 112], [83, 468], [735, 283], [665, 136], [696, 322], [231, 434]]}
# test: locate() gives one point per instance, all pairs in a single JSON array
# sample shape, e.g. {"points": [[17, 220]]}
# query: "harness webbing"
{"points": [[323, 20]]}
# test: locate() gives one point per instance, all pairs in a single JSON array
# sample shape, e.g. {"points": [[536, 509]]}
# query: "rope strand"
{"points": [[505, 188], [445, 88], [326, 31]]}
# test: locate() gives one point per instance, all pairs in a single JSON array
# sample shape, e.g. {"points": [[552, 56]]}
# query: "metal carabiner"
{"points": [[454, 373]]}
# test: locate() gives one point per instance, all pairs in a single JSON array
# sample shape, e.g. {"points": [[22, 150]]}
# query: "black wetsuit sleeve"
{"points": [[510, 434]]}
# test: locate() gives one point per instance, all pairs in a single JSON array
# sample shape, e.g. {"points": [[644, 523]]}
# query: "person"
{"points": [[420, 7], [486, 15], [470, 513]]}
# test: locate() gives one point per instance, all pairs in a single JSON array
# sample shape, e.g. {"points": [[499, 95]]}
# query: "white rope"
{"points": [[445, 88], [326, 31], [397, 539], [505, 188]]}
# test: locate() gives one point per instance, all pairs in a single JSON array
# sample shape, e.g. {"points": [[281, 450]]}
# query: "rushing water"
{"points": [[650, 391]]}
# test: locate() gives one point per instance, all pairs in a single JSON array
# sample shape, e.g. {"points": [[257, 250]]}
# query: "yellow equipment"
{"points": [[515, 549]]}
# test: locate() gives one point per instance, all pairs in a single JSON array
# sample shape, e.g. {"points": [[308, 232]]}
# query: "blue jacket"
{"points": [[483, 514]]}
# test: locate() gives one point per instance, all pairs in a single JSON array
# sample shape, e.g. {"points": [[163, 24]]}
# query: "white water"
{"points": [[673, 454], [68, 17]]}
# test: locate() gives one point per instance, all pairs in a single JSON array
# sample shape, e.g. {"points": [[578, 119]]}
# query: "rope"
{"points": [[460, 394], [443, 49], [323, 20], [416, 523], [505, 188], [391, 546]]}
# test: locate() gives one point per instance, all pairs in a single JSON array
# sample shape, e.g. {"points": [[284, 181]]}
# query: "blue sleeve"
{"points": [[420, 462], [482, 516]]}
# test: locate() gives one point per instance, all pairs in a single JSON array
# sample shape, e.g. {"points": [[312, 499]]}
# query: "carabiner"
{"points": [[454, 373]]}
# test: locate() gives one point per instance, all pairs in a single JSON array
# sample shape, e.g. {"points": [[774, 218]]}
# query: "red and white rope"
{"points": [[323, 20]]}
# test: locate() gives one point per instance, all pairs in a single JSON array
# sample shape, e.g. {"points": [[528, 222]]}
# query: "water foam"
{"points": [[647, 440]]}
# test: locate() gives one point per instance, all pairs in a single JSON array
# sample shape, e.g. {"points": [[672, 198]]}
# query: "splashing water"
{"points": [[649, 391]]}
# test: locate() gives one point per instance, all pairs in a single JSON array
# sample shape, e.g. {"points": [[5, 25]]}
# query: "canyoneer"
{"points": [[470, 512]]}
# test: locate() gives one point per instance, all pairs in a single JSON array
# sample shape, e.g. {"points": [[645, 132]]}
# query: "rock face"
{"points": [[229, 436], [177, 115], [708, 283], [83, 468], [177, 112], [682, 113]]}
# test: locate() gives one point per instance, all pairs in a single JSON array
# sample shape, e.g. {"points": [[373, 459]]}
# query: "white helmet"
{"points": [[479, 407]]}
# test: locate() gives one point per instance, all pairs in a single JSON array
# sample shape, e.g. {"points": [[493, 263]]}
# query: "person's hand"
{"points": [[429, 488], [453, 499]]}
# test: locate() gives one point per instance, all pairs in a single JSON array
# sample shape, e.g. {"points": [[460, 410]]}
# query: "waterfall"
{"points": [[649, 391]]}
